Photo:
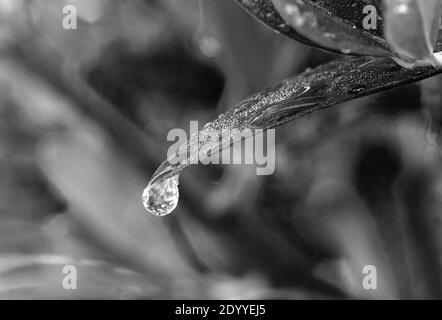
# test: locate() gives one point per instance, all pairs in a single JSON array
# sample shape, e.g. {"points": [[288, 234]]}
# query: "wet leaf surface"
{"points": [[265, 11], [330, 25], [313, 90], [333, 25], [359, 27]]}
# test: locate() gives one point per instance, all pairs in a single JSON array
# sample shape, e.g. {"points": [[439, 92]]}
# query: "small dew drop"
{"points": [[356, 89], [161, 198], [294, 13], [329, 35]]}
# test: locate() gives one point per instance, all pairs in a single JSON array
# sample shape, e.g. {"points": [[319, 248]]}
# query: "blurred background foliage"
{"points": [[84, 119]]}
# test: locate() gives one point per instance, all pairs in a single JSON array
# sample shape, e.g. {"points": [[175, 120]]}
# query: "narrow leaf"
{"points": [[337, 25], [313, 90], [265, 12]]}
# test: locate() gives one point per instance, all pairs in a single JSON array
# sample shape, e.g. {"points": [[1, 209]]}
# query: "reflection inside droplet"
{"points": [[161, 198]]}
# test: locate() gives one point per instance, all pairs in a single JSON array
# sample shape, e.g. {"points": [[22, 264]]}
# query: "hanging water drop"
{"points": [[161, 198], [290, 99]]}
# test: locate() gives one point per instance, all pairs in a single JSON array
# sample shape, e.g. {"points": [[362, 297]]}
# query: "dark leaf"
{"points": [[330, 25], [313, 90]]}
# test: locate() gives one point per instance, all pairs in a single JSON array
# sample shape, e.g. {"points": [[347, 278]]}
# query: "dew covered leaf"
{"points": [[411, 28], [265, 11], [313, 90], [336, 25], [363, 14], [340, 24], [319, 88]]}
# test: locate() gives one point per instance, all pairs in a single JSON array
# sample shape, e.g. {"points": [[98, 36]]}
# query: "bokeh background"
{"points": [[84, 116]]}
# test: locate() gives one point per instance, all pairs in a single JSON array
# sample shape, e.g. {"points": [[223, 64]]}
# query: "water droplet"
{"points": [[296, 16], [161, 198], [356, 89], [329, 35]]}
